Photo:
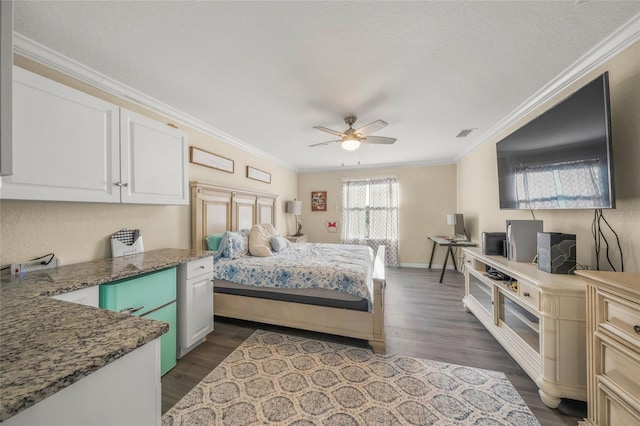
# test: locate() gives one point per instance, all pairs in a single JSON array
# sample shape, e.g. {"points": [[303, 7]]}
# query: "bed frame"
{"points": [[217, 209]]}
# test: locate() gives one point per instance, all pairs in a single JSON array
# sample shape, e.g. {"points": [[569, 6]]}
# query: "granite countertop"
{"points": [[48, 344]]}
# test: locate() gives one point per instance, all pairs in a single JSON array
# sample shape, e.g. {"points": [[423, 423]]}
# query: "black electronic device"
{"points": [[562, 159], [493, 242], [494, 274], [557, 252]]}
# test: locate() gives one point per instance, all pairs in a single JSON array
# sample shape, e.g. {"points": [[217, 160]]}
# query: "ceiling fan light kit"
{"points": [[350, 144], [352, 139]]}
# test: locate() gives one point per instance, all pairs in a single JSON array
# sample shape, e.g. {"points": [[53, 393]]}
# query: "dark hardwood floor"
{"points": [[423, 319]]}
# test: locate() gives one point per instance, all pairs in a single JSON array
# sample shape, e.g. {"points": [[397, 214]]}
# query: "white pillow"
{"points": [[278, 243], [260, 239]]}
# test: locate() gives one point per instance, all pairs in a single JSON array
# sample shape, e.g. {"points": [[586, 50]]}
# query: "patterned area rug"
{"points": [[275, 378]]}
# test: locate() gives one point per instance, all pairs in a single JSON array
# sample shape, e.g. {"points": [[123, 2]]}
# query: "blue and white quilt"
{"points": [[345, 268]]}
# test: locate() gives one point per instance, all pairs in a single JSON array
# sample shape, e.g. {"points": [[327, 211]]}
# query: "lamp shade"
{"points": [[294, 207], [451, 219]]}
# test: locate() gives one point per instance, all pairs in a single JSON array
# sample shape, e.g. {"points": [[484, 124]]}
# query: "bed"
{"points": [[216, 209]]}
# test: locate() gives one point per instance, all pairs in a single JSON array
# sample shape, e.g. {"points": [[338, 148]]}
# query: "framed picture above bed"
{"points": [[318, 201], [257, 174], [209, 159]]}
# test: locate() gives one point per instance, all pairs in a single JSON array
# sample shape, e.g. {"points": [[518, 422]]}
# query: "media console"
{"points": [[539, 318]]}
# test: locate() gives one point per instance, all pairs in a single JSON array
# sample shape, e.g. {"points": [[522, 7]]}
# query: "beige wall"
{"points": [[427, 194], [78, 232], [478, 181]]}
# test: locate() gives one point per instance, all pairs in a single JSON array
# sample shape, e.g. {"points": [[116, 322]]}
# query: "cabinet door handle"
{"points": [[131, 310], [202, 266], [526, 294], [121, 184], [636, 328]]}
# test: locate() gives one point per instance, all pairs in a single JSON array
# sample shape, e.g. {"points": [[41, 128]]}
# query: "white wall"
{"points": [[427, 194], [478, 176]]}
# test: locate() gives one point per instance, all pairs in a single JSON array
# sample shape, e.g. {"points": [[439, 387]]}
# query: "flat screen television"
{"points": [[562, 159]]}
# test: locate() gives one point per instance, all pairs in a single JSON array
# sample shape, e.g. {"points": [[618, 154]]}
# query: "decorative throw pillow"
{"points": [[278, 243], [237, 245], [260, 239], [213, 241]]}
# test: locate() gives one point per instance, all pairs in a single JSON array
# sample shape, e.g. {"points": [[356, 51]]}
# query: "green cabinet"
{"points": [[151, 296]]}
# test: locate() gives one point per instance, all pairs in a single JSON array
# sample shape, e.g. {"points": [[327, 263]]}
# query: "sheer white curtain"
{"points": [[370, 214], [573, 184]]}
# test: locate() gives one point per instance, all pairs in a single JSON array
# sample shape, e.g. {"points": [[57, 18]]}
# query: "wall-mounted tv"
{"points": [[562, 159]]}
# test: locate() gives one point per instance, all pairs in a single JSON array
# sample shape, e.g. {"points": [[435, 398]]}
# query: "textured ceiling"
{"points": [[267, 72]]}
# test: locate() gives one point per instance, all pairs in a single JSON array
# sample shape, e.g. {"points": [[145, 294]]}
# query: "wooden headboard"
{"points": [[216, 209]]}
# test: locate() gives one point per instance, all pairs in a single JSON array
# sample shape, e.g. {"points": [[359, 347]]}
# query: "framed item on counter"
{"points": [[262, 176], [208, 159], [319, 201]]}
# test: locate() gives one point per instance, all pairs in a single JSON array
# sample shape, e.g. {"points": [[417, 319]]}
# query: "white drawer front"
{"points": [[621, 368], [529, 294], [613, 410], [619, 317], [199, 267]]}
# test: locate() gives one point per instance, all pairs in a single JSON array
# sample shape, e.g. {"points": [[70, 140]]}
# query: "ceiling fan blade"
{"points": [[324, 143], [378, 140], [324, 129], [372, 127]]}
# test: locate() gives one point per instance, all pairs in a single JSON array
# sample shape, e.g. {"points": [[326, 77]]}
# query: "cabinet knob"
{"points": [[526, 294], [636, 328], [202, 266]]}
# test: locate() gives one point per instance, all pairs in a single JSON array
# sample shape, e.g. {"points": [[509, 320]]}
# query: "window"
{"points": [[370, 214]]}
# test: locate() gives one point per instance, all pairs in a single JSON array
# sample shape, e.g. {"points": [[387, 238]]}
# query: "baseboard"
{"points": [[424, 265]]}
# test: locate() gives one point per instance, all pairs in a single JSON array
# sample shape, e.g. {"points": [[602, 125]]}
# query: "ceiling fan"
{"points": [[351, 138]]}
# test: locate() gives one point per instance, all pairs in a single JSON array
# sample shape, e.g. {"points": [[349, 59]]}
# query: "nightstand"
{"points": [[295, 240]]}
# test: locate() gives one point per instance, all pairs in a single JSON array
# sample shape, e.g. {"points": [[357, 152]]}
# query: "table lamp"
{"points": [[295, 208], [457, 220]]}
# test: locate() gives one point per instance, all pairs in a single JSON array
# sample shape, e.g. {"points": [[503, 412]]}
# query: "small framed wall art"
{"points": [[208, 159], [262, 176], [319, 201]]}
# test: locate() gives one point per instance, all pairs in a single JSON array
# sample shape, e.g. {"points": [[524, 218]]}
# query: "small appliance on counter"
{"points": [[126, 242]]}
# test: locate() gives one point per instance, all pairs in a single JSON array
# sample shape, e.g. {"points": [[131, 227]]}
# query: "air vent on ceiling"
{"points": [[464, 133]]}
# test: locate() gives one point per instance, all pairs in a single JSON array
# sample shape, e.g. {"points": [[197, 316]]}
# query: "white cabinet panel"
{"points": [[153, 161], [199, 294], [125, 392], [6, 82], [195, 303], [66, 143]]}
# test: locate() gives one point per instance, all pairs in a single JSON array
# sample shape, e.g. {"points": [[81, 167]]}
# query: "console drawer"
{"points": [[619, 317], [613, 410], [620, 366], [529, 294]]}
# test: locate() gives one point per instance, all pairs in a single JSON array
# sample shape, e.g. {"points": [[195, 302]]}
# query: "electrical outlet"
{"points": [[33, 265]]}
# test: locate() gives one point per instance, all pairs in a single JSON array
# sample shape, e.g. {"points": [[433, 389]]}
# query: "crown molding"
{"points": [[41, 54], [615, 43]]}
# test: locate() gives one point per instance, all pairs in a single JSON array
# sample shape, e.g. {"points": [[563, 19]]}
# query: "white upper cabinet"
{"points": [[6, 65], [65, 143], [153, 161], [70, 146]]}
